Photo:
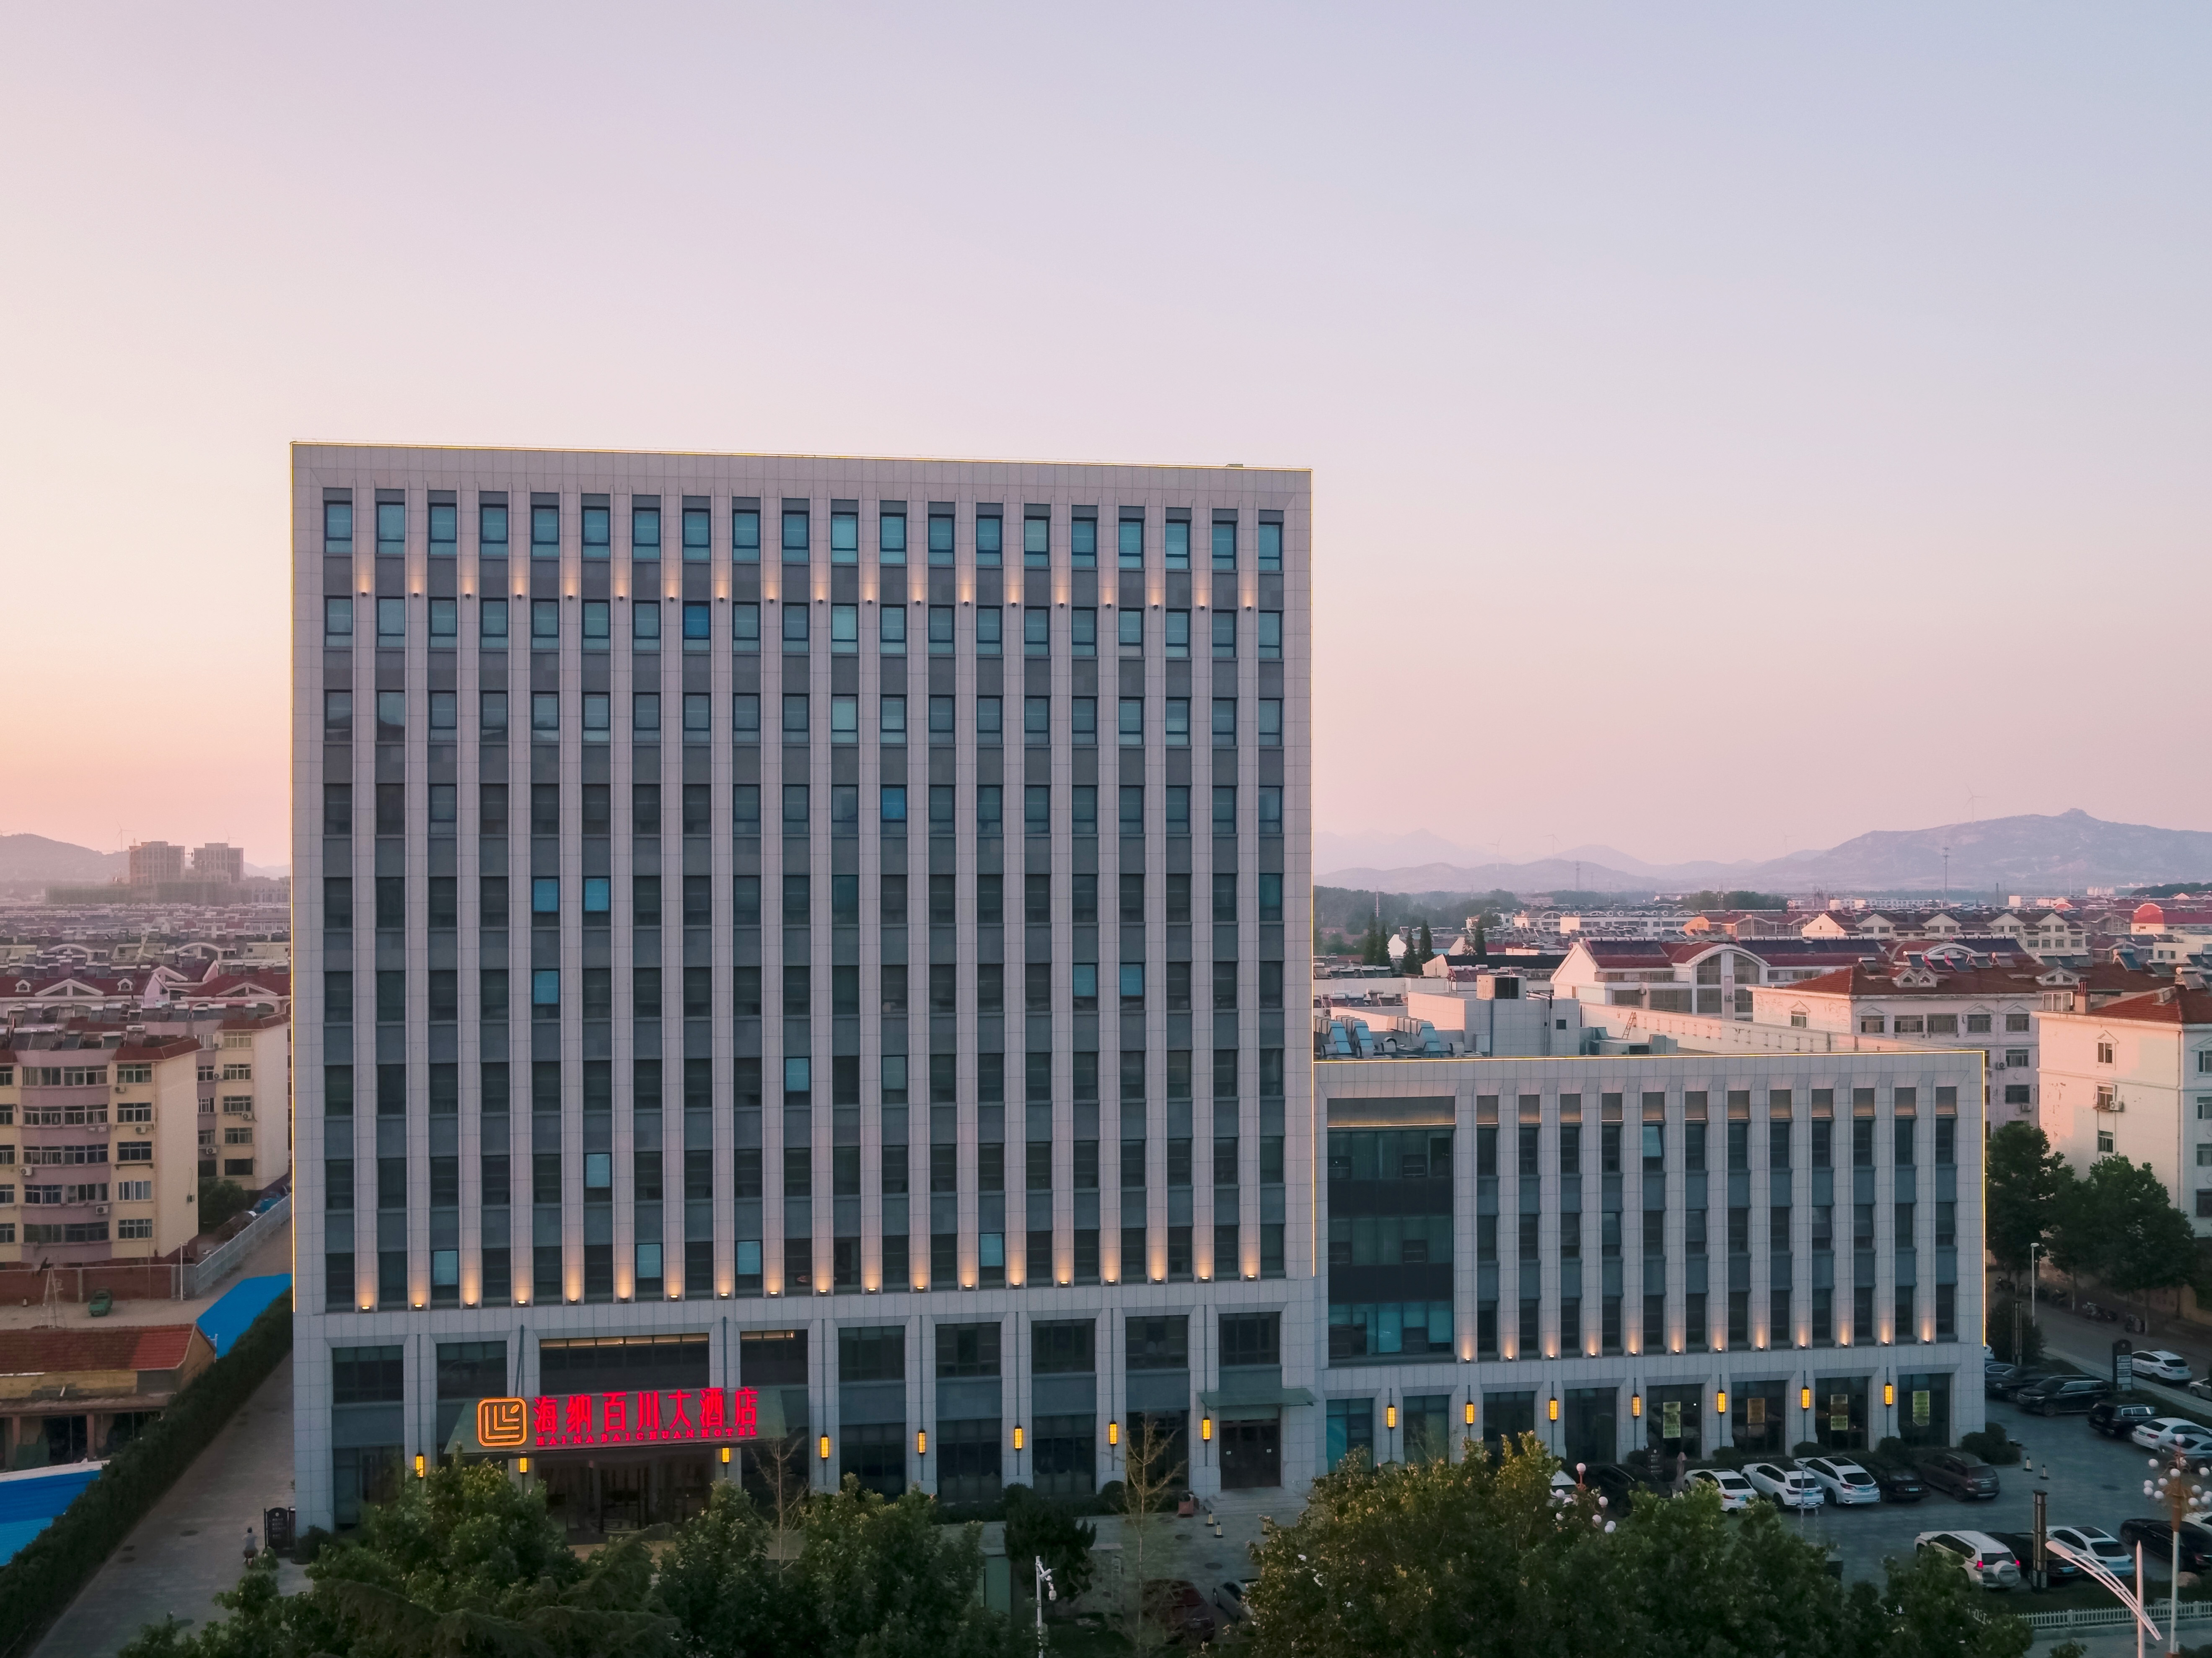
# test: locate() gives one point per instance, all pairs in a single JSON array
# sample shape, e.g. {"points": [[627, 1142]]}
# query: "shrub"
{"points": [[1806, 1447], [45, 1575], [219, 1201], [1991, 1446]]}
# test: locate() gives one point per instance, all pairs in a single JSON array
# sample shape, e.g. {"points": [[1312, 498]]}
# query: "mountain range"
{"points": [[2061, 853]]}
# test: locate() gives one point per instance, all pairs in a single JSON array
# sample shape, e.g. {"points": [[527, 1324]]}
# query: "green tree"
{"points": [[1479, 947], [2119, 1224], [719, 1583], [883, 1583], [219, 1201], [2028, 1185], [1038, 1528]]}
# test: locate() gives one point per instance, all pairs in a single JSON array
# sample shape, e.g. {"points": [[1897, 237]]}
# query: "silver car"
{"points": [[1987, 1563], [1843, 1479]]}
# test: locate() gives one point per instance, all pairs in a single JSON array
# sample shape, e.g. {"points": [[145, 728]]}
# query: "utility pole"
{"points": [[1044, 1586]]}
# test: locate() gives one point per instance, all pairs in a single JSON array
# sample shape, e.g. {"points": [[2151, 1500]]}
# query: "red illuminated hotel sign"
{"points": [[551, 1422]]}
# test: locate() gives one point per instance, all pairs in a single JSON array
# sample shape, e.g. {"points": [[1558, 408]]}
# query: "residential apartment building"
{"points": [[1713, 977], [98, 1133], [797, 946], [1664, 1254], [2135, 1077]]}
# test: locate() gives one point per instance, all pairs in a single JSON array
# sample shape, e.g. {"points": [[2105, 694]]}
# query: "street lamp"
{"points": [[1045, 1587], [2186, 1499]]}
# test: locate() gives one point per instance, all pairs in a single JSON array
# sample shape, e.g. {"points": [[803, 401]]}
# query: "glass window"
{"points": [[891, 631], [1082, 540], [1178, 722], [545, 711], [1224, 811], [446, 618], [990, 625], [940, 809], [844, 719], [445, 529], [795, 531], [844, 538], [697, 718], [1271, 722], [1224, 721], [698, 536], [796, 627], [892, 720], [598, 532], [844, 630], [1178, 813], [989, 533], [988, 728], [698, 622], [1083, 720], [337, 715], [491, 713], [1037, 720], [338, 527], [891, 536], [1224, 542], [1133, 984], [1270, 546], [1225, 636], [744, 534], [941, 538], [1271, 810], [644, 712], [544, 532], [1083, 808], [645, 532], [894, 803], [1036, 540], [391, 716], [491, 531], [338, 621], [1036, 631], [745, 628], [940, 629], [545, 896], [744, 716], [1271, 636], [1083, 631], [491, 624], [391, 528], [1178, 544], [795, 813], [1132, 631], [990, 813], [1036, 809], [794, 716], [391, 620], [1132, 721], [940, 719], [544, 618], [1133, 810], [1133, 540], [445, 710], [1178, 635]]}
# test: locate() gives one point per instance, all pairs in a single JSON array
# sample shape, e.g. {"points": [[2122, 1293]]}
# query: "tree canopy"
{"points": [[466, 1564], [1477, 1559], [2028, 1186]]}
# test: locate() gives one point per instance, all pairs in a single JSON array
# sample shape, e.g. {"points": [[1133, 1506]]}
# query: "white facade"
{"points": [[2134, 1078], [863, 1088]]}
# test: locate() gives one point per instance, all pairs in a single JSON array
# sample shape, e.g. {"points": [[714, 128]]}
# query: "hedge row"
{"points": [[38, 1585]]}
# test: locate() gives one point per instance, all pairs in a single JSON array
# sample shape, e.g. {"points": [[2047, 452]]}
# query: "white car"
{"points": [[2162, 1365], [1987, 1563], [1844, 1480], [2160, 1431], [1790, 1488], [2196, 1444], [2106, 1549], [1734, 1489]]}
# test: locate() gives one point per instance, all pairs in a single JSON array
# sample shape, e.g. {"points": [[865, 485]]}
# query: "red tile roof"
{"points": [[131, 1347], [2176, 1004]]}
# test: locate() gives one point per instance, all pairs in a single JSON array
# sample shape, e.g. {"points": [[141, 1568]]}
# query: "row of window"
{"points": [[495, 618], [990, 801], [795, 541], [986, 722]]}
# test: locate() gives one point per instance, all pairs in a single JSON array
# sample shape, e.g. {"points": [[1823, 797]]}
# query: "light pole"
{"points": [[2186, 1500], [1044, 1586]]}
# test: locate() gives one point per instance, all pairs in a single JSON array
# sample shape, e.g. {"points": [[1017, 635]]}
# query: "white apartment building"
{"points": [[1671, 1254], [2135, 1077], [795, 948]]}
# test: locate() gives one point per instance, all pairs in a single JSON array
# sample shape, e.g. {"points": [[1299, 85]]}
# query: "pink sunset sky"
{"points": [[1733, 427]]}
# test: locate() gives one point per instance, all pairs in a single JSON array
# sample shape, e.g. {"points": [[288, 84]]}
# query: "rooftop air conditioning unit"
{"points": [[100, 1209]]}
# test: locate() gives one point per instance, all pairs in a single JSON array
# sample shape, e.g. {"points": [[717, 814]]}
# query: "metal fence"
{"points": [[218, 1264], [2087, 1618]]}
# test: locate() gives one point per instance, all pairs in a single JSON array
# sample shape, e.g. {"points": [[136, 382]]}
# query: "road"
{"points": [[191, 1544]]}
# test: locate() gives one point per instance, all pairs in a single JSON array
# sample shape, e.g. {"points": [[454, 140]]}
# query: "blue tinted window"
{"points": [[1082, 544], [597, 895], [844, 538], [544, 532], [894, 803], [988, 533], [696, 533], [890, 537], [491, 531], [598, 532], [744, 535], [445, 529], [794, 533], [645, 532], [1271, 546], [1225, 543], [698, 619], [338, 527], [545, 896], [390, 527], [1178, 556], [1133, 543], [941, 538]]}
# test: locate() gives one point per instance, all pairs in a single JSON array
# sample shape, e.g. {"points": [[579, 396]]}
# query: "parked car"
{"points": [[1790, 1488], [2114, 1555], [2022, 1545], [1897, 1481], [1735, 1491], [1175, 1604], [2024, 1379], [2117, 1420], [2063, 1395], [2162, 1365], [2201, 1389], [2194, 1446], [2158, 1432], [1987, 1563], [1618, 1486], [2157, 1536], [1960, 1474], [1997, 1378], [1228, 1601], [1844, 1480]]}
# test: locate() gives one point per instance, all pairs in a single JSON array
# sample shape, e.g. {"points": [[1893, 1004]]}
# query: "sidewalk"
{"points": [[192, 1543]]}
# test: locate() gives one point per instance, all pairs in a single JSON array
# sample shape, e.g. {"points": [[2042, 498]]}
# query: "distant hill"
{"points": [[33, 857], [2057, 854]]}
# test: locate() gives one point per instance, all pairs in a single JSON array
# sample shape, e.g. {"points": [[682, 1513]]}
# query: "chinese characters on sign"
{"points": [[551, 1421]]}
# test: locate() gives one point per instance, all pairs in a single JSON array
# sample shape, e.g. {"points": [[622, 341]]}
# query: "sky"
{"points": [[1733, 427]]}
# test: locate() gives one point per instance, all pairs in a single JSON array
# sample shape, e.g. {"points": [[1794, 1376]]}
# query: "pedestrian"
{"points": [[253, 1550]]}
